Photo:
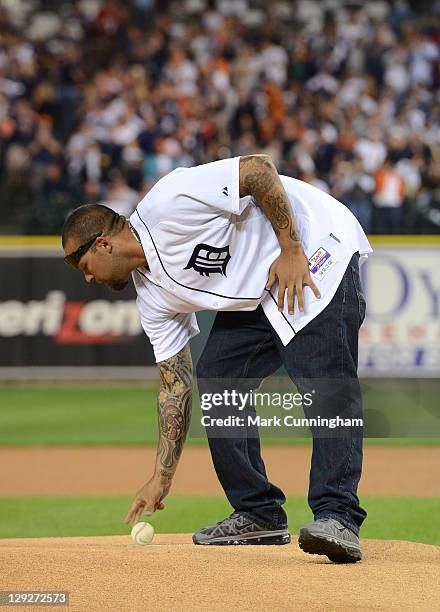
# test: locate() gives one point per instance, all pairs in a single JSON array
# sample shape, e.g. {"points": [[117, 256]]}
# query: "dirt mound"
{"points": [[112, 574]]}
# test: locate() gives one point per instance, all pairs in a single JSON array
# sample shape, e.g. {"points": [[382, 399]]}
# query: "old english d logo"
{"points": [[208, 260]]}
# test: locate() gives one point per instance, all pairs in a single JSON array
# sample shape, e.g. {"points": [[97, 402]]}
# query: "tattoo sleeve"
{"points": [[174, 403], [260, 179]]}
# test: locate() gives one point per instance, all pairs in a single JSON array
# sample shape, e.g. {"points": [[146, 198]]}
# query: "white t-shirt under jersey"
{"points": [[209, 249]]}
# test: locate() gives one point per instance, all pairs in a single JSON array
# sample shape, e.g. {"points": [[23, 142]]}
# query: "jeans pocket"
{"points": [[359, 292]]}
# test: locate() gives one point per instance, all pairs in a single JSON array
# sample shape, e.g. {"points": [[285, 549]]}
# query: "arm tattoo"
{"points": [[259, 178], [174, 403]]}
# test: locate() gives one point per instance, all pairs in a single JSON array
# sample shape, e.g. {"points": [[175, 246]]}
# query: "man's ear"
{"points": [[104, 243]]}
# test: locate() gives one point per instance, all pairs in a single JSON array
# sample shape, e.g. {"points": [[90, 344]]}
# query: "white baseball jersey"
{"points": [[209, 249]]}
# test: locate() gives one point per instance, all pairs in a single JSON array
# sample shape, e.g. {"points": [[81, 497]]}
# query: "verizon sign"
{"points": [[70, 321], [49, 316]]}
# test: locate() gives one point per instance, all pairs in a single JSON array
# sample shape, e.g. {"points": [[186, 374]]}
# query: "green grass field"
{"points": [[396, 518], [94, 414]]}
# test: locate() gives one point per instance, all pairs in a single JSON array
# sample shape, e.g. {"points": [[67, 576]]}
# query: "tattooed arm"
{"points": [[260, 179], [174, 411], [174, 414]]}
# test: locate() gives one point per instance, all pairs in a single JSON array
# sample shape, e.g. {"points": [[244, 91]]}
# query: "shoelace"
{"points": [[232, 515]]}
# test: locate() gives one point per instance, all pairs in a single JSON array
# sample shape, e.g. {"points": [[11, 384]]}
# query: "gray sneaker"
{"points": [[327, 536], [239, 528]]}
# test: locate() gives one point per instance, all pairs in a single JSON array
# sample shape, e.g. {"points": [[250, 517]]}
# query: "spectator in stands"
{"points": [[121, 197], [354, 187], [389, 194]]}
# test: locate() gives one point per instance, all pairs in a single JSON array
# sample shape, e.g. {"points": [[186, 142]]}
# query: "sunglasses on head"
{"points": [[73, 258]]}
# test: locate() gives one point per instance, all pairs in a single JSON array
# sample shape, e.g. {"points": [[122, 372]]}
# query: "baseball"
{"points": [[142, 533]]}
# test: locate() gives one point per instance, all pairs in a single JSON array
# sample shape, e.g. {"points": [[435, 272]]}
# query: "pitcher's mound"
{"points": [[111, 573]]}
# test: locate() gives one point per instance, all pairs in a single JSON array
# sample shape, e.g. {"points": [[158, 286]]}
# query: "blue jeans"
{"points": [[244, 346]]}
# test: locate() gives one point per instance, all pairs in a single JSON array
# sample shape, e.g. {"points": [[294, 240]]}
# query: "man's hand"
{"points": [[291, 269], [148, 499]]}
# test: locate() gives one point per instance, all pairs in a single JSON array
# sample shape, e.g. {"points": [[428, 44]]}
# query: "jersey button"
{"points": [[215, 304]]}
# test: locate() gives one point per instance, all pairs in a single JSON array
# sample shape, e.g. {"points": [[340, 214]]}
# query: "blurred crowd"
{"points": [[99, 99]]}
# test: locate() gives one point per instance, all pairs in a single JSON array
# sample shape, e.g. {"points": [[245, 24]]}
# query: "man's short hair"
{"points": [[90, 219]]}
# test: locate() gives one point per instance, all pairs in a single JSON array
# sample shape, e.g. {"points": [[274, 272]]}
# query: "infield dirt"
{"points": [[113, 574], [118, 470]]}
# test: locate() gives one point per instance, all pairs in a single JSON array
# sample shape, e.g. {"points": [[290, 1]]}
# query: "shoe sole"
{"points": [[336, 549], [277, 538]]}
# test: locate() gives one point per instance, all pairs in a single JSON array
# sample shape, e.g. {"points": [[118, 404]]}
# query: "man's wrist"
{"points": [[291, 247], [163, 475]]}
